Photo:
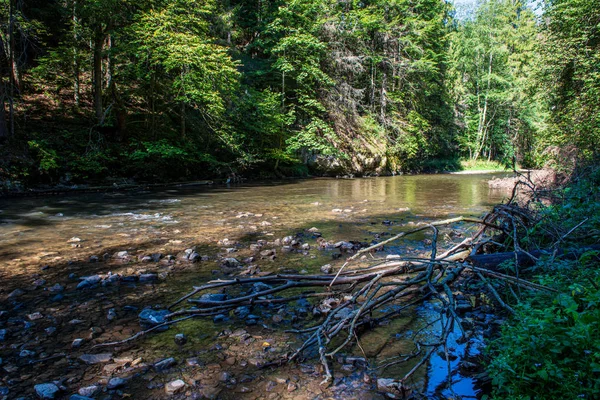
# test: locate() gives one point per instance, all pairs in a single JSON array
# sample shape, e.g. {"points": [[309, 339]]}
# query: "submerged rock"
{"points": [[46, 390]]}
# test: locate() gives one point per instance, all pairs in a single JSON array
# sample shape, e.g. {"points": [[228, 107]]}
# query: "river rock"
{"points": [[79, 397], [241, 312], [148, 278], [35, 316], [111, 315], [165, 364], [77, 343], [115, 383], [89, 391], [16, 293], [50, 331], [91, 359], [152, 317], [180, 339], [327, 269], [94, 259], [174, 387], [231, 262], [194, 257], [213, 297], [46, 390], [121, 254]]}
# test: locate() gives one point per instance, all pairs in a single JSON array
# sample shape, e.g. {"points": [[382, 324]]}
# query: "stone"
{"points": [[35, 316], [77, 343], [89, 391], [220, 318], [213, 297], [180, 339], [121, 254], [148, 277], [50, 331], [79, 397], [111, 315], [3, 334], [91, 359], [231, 262], [115, 383], [152, 317], [57, 288], [241, 312], [313, 230], [165, 364], [94, 259], [39, 282], [291, 387], [174, 387], [16, 293], [46, 390], [327, 269], [26, 353]]}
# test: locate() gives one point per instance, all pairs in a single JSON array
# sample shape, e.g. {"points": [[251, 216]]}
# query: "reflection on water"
{"points": [[194, 215]]}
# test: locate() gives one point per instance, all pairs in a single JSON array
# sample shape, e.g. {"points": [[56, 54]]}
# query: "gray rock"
{"points": [[3, 334], [152, 317], [94, 259], [213, 297], [89, 391], [115, 383], [91, 359], [327, 269], [111, 315], [165, 364], [174, 387], [77, 343], [231, 262], [51, 330], [194, 257], [220, 318], [148, 277], [242, 312], [79, 397], [46, 390], [16, 293], [121, 254], [180, 339], [26, 353], [57, 288]]}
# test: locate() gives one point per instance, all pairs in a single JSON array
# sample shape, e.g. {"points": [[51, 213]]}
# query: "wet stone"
{"points": [[89, 391], [77, 343], [79, 397], [115, 383], [46, 390], [148, 277], [165, 364], [152, 317], [96, 358]]}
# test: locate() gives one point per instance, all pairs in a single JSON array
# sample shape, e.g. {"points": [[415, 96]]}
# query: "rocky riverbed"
{"points": [[58, 304]]}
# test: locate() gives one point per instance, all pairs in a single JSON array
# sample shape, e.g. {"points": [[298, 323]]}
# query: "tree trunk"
{"points": [[76, 83], [98, 45]]}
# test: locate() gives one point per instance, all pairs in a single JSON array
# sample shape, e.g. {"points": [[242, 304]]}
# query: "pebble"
{"points": [[89, 391], [111, 315], [77, 343], [326, 269], [46, 390], [35, 316], [165, 364], [16, 293], [115, 383], [180, 339], [96, 358], [174, 387]]}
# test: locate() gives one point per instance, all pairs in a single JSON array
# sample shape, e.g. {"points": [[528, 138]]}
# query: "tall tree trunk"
{"points": [[182, 105], [12, 78], [98, 88], [76, 72]]}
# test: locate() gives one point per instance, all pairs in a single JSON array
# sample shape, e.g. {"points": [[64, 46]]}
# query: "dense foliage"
{"points": [[194, 88], [551, 348]]}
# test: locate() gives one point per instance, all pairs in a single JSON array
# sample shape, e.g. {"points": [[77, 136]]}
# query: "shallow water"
{"points": [[61, 231]]}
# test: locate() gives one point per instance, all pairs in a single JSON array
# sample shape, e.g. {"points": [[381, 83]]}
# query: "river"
{"points": [[49, 241]]}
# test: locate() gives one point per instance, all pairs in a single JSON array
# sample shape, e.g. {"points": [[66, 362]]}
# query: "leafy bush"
{"points": [[551, 349]]}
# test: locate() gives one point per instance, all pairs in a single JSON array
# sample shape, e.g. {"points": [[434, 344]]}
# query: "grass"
{"points": [[482, 165]]}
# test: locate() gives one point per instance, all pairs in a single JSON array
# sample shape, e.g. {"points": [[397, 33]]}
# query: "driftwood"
{"points": [[492, 261]]}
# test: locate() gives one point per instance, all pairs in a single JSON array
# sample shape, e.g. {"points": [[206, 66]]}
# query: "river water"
{"points": [[63, 232]]}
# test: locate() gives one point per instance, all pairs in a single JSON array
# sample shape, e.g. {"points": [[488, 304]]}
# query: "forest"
{"points": [[178, 90]]}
